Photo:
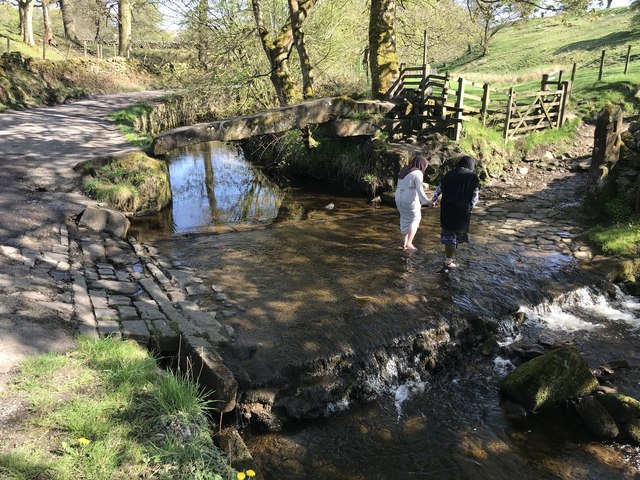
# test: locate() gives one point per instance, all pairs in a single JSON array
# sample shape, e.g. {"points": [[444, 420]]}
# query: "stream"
{"points": [[312, 275]]}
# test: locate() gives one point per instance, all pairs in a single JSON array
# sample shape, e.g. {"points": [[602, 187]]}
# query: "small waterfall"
{"points": [[586, 309]]}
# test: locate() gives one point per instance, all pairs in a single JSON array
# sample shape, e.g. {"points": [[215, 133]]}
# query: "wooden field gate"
{"points": [[428, 101]]}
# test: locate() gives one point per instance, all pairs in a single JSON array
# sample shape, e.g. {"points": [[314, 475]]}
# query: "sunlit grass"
{"points": [[617, 240], [132, 421], [124, 120]]}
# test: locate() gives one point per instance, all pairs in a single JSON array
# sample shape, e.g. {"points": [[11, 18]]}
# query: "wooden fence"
{"points": [[436, 102]]}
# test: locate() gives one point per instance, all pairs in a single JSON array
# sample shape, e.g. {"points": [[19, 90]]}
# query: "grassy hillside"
{"points": [[521, 53]]}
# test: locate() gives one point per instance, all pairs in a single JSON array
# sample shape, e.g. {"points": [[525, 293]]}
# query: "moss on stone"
{"points": [[134, 183], [621, 407], [557, 376]]}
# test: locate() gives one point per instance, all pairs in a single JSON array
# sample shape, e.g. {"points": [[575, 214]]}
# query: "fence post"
{"points": [[485, 103], [445, 93], [565, 87], [507, 122], [545, 80], [626, 62], [601, 65], [459, 108], [424, 49]]}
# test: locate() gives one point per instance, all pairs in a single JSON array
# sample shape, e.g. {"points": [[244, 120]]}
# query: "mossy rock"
{"points": [[132, 182], [621, 407], [628, 272], [597, 418], [550, 379], [632, 431]]}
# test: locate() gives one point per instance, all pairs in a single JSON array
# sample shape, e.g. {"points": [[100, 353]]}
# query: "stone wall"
{"points": [[628, 175]]}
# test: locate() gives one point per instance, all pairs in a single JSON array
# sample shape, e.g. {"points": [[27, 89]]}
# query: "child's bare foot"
{"points": [[410, 248]]}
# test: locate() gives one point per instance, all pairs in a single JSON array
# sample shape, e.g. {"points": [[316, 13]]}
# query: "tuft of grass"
{"points": [[617, 240], [133, 183], [179, 394], [25, 464], [130, 420], [125, 121]]}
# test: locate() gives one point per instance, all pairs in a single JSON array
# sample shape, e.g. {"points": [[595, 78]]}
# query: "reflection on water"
{"points": [[212, 184]]}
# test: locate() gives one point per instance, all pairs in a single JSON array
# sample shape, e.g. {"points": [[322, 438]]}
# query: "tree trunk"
{"points": [[46, 18], [609, 2], [383, 57], [68, 22], [298, 15], [25, 8], [202, 16], [124, 28], [277, 51]]}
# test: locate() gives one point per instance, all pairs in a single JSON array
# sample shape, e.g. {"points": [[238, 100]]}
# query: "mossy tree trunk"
{"points": [[68, 22], [25, 8], [383, 58], [279, 48], [298, 15], [124, 28]]}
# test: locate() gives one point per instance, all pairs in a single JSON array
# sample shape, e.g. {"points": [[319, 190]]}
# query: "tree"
{"points": [[278, 49], [68, 21], [47, 32], [25, 9], [297, 17], [124, 28], [443, 20], [383, 58]]}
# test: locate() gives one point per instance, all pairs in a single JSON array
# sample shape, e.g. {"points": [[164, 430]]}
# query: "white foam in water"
{"points": [[402, 393], [509, 340], [503, 366], [557, 319], [337, 407], [594, 305]]}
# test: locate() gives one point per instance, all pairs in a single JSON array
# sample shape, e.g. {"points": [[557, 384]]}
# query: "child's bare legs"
{"points": [[408, 239]]}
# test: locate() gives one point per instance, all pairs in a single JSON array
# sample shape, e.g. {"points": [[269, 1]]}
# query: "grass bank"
{"points": [[106, 411]]}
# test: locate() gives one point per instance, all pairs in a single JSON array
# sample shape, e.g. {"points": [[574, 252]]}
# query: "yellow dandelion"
{"points": [[241, 476], [251, 473], [84, 441]]}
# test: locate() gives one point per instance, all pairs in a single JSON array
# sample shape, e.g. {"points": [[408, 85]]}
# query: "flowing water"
{"points": [[312, 275]]}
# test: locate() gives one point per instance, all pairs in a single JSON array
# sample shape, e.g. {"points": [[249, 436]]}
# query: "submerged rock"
{"points": [[552, 378]]}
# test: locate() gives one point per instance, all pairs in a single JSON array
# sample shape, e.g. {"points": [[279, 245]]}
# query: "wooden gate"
{"points": [[527, 112]]}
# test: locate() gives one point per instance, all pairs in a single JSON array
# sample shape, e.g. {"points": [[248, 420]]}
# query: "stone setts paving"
{"points": [[126, 290]]}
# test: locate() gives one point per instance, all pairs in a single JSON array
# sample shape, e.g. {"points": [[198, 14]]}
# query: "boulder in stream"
{"points": [[549, 379], [597, 419]]}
